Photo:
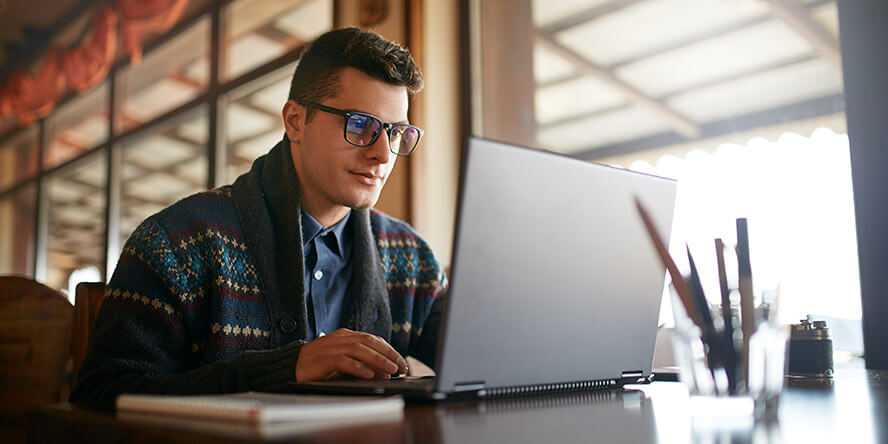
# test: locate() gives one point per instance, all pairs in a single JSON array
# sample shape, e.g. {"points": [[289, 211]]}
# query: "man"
{"points": [[288, 274]]}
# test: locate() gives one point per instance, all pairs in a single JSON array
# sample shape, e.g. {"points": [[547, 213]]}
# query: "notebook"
{"points": [[260, 411]]}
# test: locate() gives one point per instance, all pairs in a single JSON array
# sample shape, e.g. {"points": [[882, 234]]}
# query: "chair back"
{"points": [[35, 341], [87, 301]]}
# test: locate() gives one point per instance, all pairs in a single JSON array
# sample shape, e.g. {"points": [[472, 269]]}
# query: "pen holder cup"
{"points": [[724, 378]]}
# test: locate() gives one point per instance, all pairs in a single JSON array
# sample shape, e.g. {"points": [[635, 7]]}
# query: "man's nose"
{"points": [[380, 149]]}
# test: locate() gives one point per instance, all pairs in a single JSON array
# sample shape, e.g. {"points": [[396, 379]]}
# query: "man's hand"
{"points": [[347, 352]]}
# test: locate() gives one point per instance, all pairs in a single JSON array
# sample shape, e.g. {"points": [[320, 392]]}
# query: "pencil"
{"points": [[723, 285], [727, 315], [678, 282]]}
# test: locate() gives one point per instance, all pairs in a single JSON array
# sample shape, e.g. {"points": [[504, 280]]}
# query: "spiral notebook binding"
{"points": [[539, 389]]}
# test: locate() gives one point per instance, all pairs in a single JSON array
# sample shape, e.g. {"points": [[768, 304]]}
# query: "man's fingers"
{"points": [[371, 358], [341, 332], [350, 366], [347, 352], [380, 346]]}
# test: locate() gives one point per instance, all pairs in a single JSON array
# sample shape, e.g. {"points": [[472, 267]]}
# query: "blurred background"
{"points": [[741, 100]]}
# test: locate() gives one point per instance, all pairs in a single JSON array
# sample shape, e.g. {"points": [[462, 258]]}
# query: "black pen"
{"points": [[715, 355], [747, 305], [699, 296]]}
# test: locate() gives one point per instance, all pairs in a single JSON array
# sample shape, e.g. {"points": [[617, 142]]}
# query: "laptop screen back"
{"points": [[554, 278]]}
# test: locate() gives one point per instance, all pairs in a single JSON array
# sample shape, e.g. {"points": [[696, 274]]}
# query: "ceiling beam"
{"points": [[588, 15], [169, 170], [682, 124], [137, 199], [691, 39], [799, 18], [680, 44], [579, 117], [739, 75], [806, 109]]}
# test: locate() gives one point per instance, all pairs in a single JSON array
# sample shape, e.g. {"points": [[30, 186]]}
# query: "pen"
{"points": [[699, 295], [727, 315], [747, 307], [715, 356]]}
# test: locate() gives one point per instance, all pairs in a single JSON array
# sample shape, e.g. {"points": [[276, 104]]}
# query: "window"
{"points": [[742, 101], [88, 274], [258, 31], [18, 157], [796, 192], [253, 120], [160, 143], [162, 167], [17, 211], [168, 77], [75, 202], [77, 127]]}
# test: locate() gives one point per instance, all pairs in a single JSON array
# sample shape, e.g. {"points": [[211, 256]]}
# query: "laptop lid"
{"points": [[554, 279]]}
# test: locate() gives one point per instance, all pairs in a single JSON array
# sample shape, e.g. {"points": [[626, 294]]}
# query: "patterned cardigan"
{"points": [[207, 296]]}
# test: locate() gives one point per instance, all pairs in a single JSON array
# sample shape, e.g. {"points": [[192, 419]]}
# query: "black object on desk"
{"points": [[810, 350]]}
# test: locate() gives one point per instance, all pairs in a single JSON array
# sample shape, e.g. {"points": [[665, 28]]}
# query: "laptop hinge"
{"points": [[468, 386], [635, 377]]}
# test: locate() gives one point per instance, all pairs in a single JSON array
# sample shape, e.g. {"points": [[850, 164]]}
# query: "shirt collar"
{"points": [[311, 229]]}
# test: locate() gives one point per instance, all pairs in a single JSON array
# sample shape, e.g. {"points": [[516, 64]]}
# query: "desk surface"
{"points": [[854, 406]]}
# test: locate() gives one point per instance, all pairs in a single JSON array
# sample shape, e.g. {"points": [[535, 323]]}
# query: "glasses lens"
{"points": [[404, 139], [362, 130]]}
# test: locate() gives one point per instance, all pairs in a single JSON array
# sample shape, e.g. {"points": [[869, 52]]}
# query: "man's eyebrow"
{"points": [[352, 110]]}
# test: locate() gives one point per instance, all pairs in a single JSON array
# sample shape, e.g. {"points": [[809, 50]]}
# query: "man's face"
{"points": [[334, 173]]}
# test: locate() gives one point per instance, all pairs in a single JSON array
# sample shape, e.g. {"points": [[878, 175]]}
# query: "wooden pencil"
{"points": [[678, 281]]}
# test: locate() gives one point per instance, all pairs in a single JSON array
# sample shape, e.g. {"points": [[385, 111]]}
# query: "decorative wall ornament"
{"points": [[142, 17], [31, 94], [87, 64]]}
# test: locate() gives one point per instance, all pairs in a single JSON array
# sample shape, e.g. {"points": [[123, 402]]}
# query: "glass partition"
{"points": [[253, 120], [77, 127], [75, 218], [18, 157], [168, 77], [257, 31], [17, 231], [162, 167]]}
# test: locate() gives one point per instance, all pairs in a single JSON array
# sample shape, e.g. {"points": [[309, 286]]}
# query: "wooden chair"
{"points": [[35, 341], [87, 301]]}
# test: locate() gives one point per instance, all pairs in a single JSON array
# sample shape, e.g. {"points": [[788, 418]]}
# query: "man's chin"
{"points": [[362, 203]]}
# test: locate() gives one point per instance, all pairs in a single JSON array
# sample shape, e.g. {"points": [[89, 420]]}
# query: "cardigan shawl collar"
{"points": [[268, 201]]}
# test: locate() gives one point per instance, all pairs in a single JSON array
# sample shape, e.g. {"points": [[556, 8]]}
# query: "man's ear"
{"points": [[293, 115]]}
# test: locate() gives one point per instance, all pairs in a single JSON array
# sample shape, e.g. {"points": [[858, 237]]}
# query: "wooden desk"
{"points": [[852, 408]]}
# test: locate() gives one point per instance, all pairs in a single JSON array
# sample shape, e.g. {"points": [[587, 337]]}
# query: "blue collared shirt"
{"points": [[327, 272]]}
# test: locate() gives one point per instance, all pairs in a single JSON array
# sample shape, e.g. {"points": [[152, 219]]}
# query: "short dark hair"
{"points": [[317, 73]]}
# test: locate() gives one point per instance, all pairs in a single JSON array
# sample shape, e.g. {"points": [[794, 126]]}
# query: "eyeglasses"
{"points": [[363, 129]]}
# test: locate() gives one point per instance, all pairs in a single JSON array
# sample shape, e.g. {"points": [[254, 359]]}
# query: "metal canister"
{"points": [[810, 350]]}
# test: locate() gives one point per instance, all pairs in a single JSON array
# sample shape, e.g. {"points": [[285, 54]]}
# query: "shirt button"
{"points": [[319, 275], [287, 325]]}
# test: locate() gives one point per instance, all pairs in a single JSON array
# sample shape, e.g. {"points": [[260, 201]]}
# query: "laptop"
{"points": [[555, 285]]}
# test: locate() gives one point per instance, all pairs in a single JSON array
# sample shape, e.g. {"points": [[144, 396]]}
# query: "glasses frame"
{"points": [[386, 126]]}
